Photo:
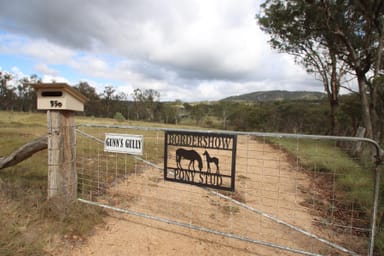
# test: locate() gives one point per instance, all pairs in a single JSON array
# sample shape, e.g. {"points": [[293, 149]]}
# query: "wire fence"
{"points": [[301, 194]]}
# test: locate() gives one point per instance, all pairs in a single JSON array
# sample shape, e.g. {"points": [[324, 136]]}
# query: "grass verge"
{"points": [[341, 177], [353, 176], [30, 224]]}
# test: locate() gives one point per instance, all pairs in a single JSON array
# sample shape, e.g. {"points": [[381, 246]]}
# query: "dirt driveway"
{"points": [[266, 181]]}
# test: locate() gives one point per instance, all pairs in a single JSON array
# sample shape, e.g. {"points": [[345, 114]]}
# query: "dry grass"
{"points": [[30, 224]]}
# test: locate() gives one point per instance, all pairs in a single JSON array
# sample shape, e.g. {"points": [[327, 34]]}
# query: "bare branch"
{"points": [[24, 152]]}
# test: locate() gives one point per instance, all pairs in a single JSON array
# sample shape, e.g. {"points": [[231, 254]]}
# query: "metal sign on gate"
{"points": [[123, 143], [200, 158]]}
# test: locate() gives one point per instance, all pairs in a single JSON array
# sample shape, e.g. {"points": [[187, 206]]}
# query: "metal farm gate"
{"points": [[288, 193]]}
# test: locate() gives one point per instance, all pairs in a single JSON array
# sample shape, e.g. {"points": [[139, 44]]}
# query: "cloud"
{"points": [[44, 69], [46, 51], [52, 78], [185, 49]]}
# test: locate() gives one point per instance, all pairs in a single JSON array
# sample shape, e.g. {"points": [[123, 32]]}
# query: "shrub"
{"points": [[119, 117]]}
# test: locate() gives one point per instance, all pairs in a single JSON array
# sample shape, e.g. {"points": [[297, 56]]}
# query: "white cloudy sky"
{"points": [[190, 50]]}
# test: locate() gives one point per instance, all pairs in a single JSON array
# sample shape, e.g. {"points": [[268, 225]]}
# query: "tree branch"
{"points": [[24, 152]]}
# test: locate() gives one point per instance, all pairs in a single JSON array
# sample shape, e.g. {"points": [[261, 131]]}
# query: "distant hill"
{"points": [[264, 96]]}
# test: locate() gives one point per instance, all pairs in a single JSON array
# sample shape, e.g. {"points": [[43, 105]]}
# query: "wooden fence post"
{"points": [[62, 175]]}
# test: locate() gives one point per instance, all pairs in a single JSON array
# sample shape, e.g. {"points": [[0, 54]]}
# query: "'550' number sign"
{"points": [[56, 104]]}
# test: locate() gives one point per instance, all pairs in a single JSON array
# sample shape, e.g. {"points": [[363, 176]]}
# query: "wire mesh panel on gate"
{"points": [[296, 194]]}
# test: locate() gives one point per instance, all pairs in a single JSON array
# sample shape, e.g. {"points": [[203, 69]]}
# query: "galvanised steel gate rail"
{"points": [[276, 189]]}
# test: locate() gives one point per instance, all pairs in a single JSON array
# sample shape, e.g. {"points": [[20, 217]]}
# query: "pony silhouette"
{"points": [[190, 155], [210, 159]]}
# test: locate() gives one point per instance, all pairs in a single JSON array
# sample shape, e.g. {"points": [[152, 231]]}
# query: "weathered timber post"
{"points": [[62, 176], [61, 101]]}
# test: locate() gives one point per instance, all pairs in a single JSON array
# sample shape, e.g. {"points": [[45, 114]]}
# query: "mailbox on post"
{"points": [[58, 96], [61, 101]]}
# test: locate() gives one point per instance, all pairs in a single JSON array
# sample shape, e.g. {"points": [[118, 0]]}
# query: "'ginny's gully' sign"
{"points": [[123, 143]]}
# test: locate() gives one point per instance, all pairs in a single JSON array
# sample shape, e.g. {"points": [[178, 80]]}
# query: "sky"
{"points": [[188, 50]]}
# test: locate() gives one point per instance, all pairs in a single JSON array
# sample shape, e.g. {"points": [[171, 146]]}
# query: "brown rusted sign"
{"points": [[200, 158]]}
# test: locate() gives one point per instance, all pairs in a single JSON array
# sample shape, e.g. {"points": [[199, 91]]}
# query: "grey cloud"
{"points": [[57, 21], [160, 40], [116, 26], [72, 23], [150, 69]]}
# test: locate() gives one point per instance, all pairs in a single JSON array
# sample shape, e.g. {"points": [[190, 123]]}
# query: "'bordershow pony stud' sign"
{"points": [[198, 158]]}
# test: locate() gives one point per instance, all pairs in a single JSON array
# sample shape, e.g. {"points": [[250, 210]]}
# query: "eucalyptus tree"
{"points": [[7, 92], [93, 106], [151, 103], [350, 31], [107, 99], [293, 27], [137, 96], [357, 26], [26, 95], [146, 103]]}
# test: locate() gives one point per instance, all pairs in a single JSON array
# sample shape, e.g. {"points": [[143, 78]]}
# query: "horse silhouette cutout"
{"points": [[210, 159], [190, 155]]}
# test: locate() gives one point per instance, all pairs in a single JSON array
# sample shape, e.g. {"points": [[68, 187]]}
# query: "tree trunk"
{"points": [[333, 118], [377, 85], [358, 145], [365, 106]]}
